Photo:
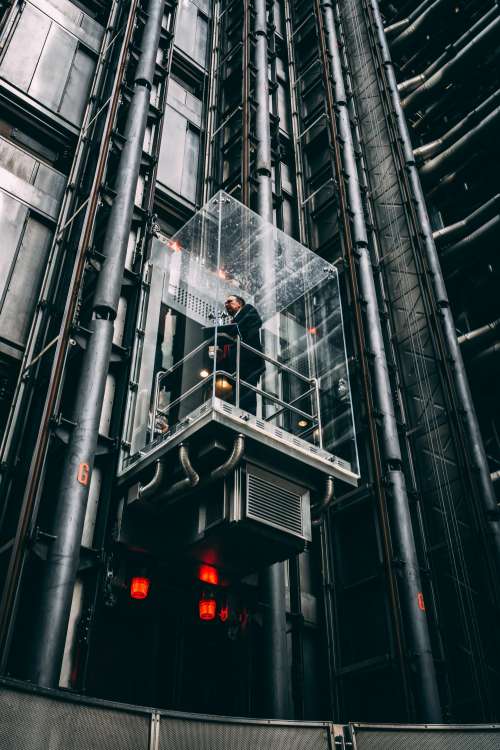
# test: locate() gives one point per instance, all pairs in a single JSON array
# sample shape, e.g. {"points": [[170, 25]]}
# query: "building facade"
{"points": [[367, 132]]}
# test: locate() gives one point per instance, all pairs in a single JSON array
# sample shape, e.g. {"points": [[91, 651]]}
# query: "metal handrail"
{"points": [[289, 403], [235, 377], [276, 362], [268, 395]]}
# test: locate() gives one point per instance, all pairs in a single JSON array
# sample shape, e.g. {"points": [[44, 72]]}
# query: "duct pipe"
{"points": [[272, 580], [479, 335], [450, 52], [469, 421], [62, 562], [486, 356], [190, 479], [318, 510], [395, 28], [464, 57], [459, 229], [232, 461], [145, 491], [461, 252], [262, 120], [441, 164], [464, 126], [409, 36], [415, 619]]}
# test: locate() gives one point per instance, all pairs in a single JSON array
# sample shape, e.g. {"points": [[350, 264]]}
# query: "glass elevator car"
{"points": [[239, 416]]}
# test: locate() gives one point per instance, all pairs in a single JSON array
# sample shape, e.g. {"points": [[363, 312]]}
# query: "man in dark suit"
{"points": [[249, 323]]}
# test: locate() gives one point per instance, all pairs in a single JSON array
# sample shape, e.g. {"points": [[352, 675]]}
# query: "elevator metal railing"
{"points": [[229, 383]]}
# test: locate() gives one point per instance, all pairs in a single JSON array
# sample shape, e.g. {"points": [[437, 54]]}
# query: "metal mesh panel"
{"points": [[433, 739], [183, 734], [35, 722]]}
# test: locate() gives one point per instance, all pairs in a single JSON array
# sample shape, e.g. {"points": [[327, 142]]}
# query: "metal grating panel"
{"points": [[182, 734], [272, 501], [36, 722], [432, 739]]}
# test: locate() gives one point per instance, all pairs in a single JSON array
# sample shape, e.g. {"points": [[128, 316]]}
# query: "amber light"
{"points": [[207, 609], [222, 387], [208, 574], [139, 587]]}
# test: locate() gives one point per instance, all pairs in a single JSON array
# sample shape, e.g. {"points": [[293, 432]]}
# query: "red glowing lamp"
{"points": [[207, 609], [139, 587], [224, 614], [208, 574]]}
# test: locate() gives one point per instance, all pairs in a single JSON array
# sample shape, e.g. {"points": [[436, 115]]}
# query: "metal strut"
{"points": [[469, 420], [62, 562], [410, 589]]}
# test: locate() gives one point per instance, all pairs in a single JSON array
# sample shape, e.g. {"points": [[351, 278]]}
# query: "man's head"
{"points": [[233, 304]]}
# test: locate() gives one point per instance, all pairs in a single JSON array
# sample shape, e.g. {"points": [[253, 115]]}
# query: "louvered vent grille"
{"points": [[269, 502]]}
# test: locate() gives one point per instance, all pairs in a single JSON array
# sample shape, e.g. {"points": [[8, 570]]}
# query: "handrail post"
{"points": [[238, 354], [318, 412]]}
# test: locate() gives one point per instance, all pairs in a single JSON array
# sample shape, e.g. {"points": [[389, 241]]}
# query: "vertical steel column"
{"points": [[262, 122], [273, 579], [63, 557], [416, 627], [468, 414]]}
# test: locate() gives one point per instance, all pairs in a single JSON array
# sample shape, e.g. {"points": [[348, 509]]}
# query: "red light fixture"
{"points": [[224, 614], [207, 609], [208, 574], [312, 330], [139, 587]]}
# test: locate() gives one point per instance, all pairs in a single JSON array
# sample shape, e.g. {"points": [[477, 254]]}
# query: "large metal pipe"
{"points": [[278, 698], [461, 252], [422, 153], [463, 396], [262, 122], [415, 619], [464, 57], [450, 52], [117, 234], [395, 28], [61, 567], [409, 37], [459, 229], [478, 335], [441, 164]]}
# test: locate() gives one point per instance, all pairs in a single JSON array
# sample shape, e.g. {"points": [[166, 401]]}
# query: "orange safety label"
{"points": [[83, 474]]}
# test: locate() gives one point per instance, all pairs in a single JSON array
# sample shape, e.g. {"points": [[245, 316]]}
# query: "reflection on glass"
{"points": [[239, 312]]}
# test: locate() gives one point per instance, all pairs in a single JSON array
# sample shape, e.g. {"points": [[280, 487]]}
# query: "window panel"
{"points": [[171, 155], [78, 87], [12, 219], [190, 167], [25, 47], [190, 20], [51, 73], [50, 56], [21, 295]]}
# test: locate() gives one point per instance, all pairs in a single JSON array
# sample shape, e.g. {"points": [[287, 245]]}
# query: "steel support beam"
{"points": [[278, 697], [409, 584], [463, 395]]}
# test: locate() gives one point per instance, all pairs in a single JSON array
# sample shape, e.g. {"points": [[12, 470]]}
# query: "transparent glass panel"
{"points": [[239, 312]]}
